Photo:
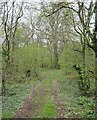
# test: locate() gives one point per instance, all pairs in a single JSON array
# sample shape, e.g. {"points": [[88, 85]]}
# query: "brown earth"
{"points": [[61, 108]]}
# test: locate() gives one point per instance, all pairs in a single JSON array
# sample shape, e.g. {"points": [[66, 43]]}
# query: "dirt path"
{"points": [[33, 105], [26, 109], [61, 108]]}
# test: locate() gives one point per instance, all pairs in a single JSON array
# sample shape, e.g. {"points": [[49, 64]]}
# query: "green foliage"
{"points": [[26, 57], [45, 56], [69, 57], [90, 59], [88, 105], [30, 57]]}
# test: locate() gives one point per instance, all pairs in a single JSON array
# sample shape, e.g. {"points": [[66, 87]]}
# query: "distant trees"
{"points": [[51, 32], [57, 29]]}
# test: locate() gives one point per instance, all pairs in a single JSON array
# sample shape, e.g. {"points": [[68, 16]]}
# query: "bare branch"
{"points": [[60, 9], [78, 50]]}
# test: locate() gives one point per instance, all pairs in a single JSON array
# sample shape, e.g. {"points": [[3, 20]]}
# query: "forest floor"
{"points": [[56, 96]]}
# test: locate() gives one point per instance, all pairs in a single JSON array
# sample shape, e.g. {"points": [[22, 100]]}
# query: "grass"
{"points": [[8, 115], [49, 110], [12, 103], [49, 107]]}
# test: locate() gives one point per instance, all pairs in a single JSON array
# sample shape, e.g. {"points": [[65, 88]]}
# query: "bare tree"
{"points": [[12, 12]]}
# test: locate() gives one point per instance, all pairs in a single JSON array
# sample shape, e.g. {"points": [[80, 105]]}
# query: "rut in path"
{"points": [[61, 108], [26, 109]]}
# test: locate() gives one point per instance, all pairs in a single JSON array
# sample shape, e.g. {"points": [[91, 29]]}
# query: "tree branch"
{"points": [[61, 8]]}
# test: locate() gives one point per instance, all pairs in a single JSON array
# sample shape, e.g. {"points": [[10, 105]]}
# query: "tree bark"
{"points": [[84, 66], [3, 84], [55, 56]]}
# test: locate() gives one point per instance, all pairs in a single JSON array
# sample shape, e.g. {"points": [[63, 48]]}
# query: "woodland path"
{"points": [[45, 92]]}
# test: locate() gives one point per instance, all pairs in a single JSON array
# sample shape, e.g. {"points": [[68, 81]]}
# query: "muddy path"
{"points": [[60, 106]]}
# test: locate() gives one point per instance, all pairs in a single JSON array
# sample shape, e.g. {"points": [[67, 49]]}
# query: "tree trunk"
{"points": [[6, 59], [3, 83], [83, 81], [51, 60], [56, 60], [4, 76], [83, 58]]}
